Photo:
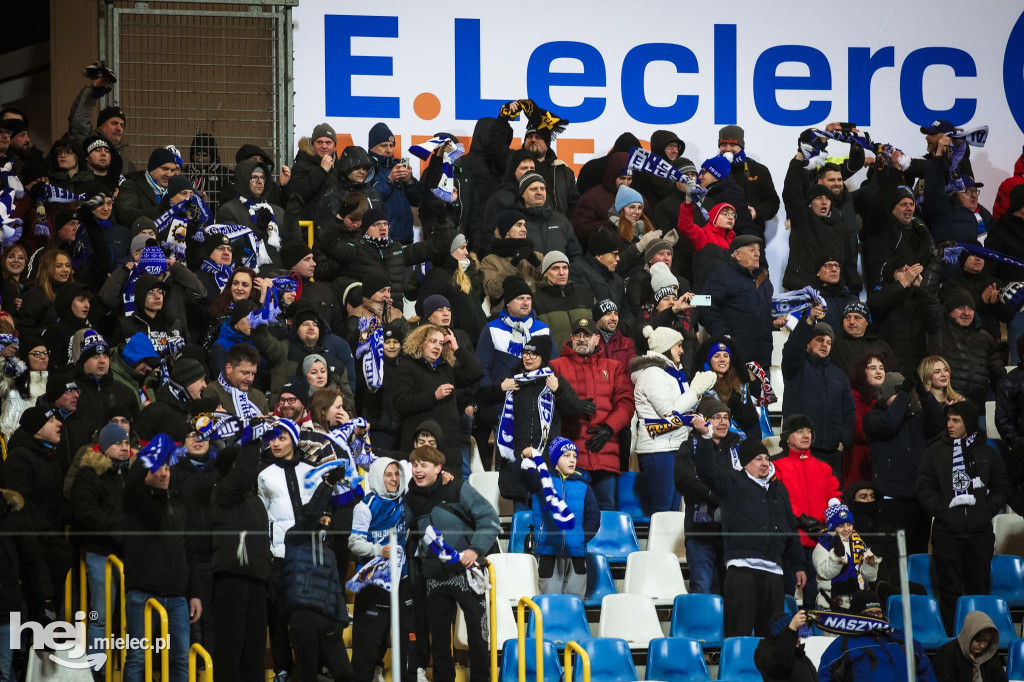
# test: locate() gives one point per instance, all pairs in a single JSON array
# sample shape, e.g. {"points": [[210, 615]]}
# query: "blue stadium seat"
{"points": [[610, 660], [676, 659], [632, 496], [510, 661], [521, 521], [616, 538], [1015, 662], [737, 663], [919, 570], [599, 580], [927, 620], [699, 617], [1008, 579], [565, 619], [996, 609], [791, 606]]}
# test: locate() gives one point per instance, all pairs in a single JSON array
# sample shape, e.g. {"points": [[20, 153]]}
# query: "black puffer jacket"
{"points": [[194, 485], [1006, 235], [593, 171], [1010, 406], [756, 182], [896, 438], [550, 230], [741, 308], [899, 317], [166, 414], [330, 247], [96, 501], [694, 490], [22, 562], [32, 470], [37, 312], [602, 282], [58, 335], [886, 239], [780, 659], [483, 166], [309, 183], [236, 507], [935, 487], [972, 353], [96, 396], [503, 198]]}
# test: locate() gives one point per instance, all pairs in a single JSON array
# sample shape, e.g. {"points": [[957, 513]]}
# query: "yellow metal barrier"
{"points": [[567, 661], [108, 614], [165, 660], [308, 225], [494, 622], [521, 637], [83, 588], [198, 650]]}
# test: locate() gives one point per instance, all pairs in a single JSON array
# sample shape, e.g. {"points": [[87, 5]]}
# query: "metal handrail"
{"points": [[308, 225], [494, 621], [108, 614], [521, 637], [165, 659], [198, 650], [567, 661]]}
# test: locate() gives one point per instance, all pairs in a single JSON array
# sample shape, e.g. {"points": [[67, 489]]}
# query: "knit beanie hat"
{"points": [[152, 260], [557, 448], [459, 240], [899, 194], [958, 297], [108, 113], [552, 257], [374, 215], [794, 423], [859, 307], [433, 303], [142, 223], [63, 217], [35, 418], [395, 330], [716, 210], [159, 157], [187, 371], [293, 252], [298, 387], [178, 183], [837, 514], [625, 196], [373, 282], [602, 242], [515, 286], [656, 247], [139, 348], [663, 282], [863, 600], [379, 133], [731, 134], [90, 343], [749, 449], [710, 406], [310, 360], [57, 384], [602, 308], [816, 190], [284, 426], [718, 166], [529, 179], [323, 130], [541, 345], [506, 219], [111, 434], [661, 339], [823, 329]]}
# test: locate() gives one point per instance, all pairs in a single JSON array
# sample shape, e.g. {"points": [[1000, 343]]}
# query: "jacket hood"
{"points": [[514, 159], [642, 362], [616, 164], [975, 622], [375, 478], [355, 157], [67, 141], [96, 460], [243, 171], [147, 283], [247, 150], [434, 429], [305, 147], [489, 145], [660, 139], [66, 295], [13, 499], [625, 142]]}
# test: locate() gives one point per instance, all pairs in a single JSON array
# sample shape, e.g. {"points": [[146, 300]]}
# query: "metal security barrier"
{"points": [[165, 660], [521, 637], [307, 225], [108, 615], [83, 588], [567, 661], [198, 650], [493, 620]]}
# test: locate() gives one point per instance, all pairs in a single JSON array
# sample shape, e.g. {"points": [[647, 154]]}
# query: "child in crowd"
{"points": [[843, 562]]}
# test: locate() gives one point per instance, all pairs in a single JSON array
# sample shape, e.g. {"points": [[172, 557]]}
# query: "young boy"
{"points": [[454, 526], [843, 562], [566, 513], [372, 520]]}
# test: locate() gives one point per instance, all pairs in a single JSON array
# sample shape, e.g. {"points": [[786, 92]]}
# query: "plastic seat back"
{"points": [[1015, 662], [631, 617], [486, 483], [815, 646], [610, 660], [565, 619], [616, 538], [927, 620], [510, 661], [521, 521], [599, 579], [1008, 579], [516, 575], [667, 533], [655, 574], [700, 617], [676, 659], [631, 492], [919, 570], [1009, 531], [737, 663], [996, 608]]}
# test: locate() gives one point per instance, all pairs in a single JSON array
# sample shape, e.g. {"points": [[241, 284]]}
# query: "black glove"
{"points": [[599, 435], [589, 407], [263, 217], [809, 524], [838, 549], [335, 476], [908, 383]]}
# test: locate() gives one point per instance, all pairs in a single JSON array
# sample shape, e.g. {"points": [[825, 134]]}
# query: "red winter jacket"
{"points": [[619, 347], [701, 236], [607, 382], [1002, 204], [857, 461], [810, 483]]}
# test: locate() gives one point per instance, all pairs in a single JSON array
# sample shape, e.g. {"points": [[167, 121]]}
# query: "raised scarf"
{"points": [[961, 479], [794, 301], [268, 312], [254, 252], [885, 152], [642, 160], [847, 623], [855, 557], [244, 407], [221, 273], [172, 224], [553, 502], [545, 405], [371, 351], [9, 179], [975, 137], [12, 227], [451, 153], [376, 572], [273, 231]]}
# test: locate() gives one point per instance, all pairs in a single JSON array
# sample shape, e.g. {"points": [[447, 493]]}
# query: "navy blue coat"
{"points": [[741, 307]]}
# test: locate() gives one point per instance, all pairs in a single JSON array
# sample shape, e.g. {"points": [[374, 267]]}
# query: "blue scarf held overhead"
{"points": [[553, 502], [452, 152], [12, 227], [883, 151], [355, 448], [152, 262], [267, 313], [157, 452], [545, 410], [975, 138], [347, 491], [254, 252], [58, 195], [371, 351], [794, 301], [172, 224]]}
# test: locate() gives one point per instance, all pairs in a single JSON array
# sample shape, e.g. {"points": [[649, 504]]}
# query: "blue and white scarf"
{"points": [[545, 409], [452, 152], [9, 179], [347, 491], [520, 333], [642, 160], [12, 227], [885, 152], [961, 480], [13, 366], [254, 254], [273, 231], [951, 254], [172, 224], [441, 549], [158, 191], [975, 138], [794, 301], [355, 448], [267, 313], [848, 624], [157, 452], [371, 350], [553, 502], [244, 407], [58, 195], [153, 262], [376, 572], [221, 273]]}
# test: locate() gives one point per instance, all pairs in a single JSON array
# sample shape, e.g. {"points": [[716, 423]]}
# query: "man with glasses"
{"points": [[762, 530], [251, 208], [292, 401], [954, 214]]}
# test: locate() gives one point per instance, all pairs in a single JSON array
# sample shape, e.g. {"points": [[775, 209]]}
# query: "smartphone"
{"points": [[404, 161], [701, 300], [847, 126]]}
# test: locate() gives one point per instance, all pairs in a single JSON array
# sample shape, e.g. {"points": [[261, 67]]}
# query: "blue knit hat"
{"points": [[153, 261], [625, 196], [558, 447], [139, 348], [718, 166], [380, 133], [282, 426], [837, 514], [110, 434]]}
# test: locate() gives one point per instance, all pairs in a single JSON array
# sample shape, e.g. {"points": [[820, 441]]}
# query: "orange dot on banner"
{"points": [[427, 106]]}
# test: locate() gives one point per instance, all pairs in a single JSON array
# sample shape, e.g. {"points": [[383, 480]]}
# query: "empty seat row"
{"points": [[928, 628], [617, 537], [1007, 581]]}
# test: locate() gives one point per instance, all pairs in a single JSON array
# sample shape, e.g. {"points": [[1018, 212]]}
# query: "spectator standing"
{"points": [[762, 201], [853, 340], [843, 562], [313, 175], [394, 182]]}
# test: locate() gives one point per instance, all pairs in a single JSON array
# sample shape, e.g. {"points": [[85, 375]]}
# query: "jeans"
{"points": [[177, 630], [95, 566], [466, 432], [6, 655], [707, 564], [659, 475], [604, 483]]}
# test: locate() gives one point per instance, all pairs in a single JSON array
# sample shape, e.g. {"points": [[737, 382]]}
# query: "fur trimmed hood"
{"points": [[14, 500], [650, 359]]}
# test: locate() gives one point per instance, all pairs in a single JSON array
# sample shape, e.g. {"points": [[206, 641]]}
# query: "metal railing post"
{"points": [[567, 661], [165, 660], [108, 614], [521, 637], [198, 650]]}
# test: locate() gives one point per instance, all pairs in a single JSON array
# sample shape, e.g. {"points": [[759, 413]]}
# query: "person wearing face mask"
{"points": [[842, 560], [513, 254], [454, 277], [974, 655], [96, 509]]}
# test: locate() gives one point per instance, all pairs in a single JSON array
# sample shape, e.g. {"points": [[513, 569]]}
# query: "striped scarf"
{"points": [[794, 301], [855, 557], [58, 195], [221, 273], [254, 252], [244, 407], [545, 405], [273, 231], [376, 572], [449, 154], [553, 502], [371, 350], [961, 479]]}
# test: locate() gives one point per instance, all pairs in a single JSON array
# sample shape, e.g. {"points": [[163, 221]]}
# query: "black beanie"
{"points": [[214, 242], [241, 309], [63, 217], [374, 282], [58, 384], [602, 242], [541, 345], [293, 252], [816, 190], [968, 411], [513, 287], [159, 157], [187, 371], [898, 195], [958, 297], [749, 449], [298, 387], [35, 418], [792, 423], [178, 183], [506, 219]]}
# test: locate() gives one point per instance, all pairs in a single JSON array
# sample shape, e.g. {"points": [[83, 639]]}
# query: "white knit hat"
{"points": [[661, 280], [661, 339]]}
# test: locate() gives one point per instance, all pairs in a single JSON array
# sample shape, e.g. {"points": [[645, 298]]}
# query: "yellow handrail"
{"points": [[521, 637], [108, 614], [165, 660], [494, 622], [83, 588], [308, 224], [569, 649], [198, 650]]}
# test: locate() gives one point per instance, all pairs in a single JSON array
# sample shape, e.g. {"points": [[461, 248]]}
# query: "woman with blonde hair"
{"points": [[38, 309], [454, 275], [935, 375]]}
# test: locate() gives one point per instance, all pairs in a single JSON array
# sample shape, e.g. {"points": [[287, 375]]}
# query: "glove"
{"points": [[691, 183], [703, 382], [839, 550], [589, 407], [263, 217], [533, 259], [256, 429], [335, 475], [809, 524], [599, 435], [49, 611], [672, 236], [647, 239]]}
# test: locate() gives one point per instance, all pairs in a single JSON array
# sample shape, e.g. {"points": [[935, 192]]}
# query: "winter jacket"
{"points": [[810, 483], [193, 481], [989, 315], [33, 471], [22, 562], [14, 404], [398, 198], [96, 498], [896, 437], [741, 308], [483, 166], [166, 414], [948, 219], [899, 318], [886, 239], [361, 258], [415, 383], [559, 307], [80, 124], [186, 291], [880, 657], [617, 347], [156, 558], [467, 313], [561, 183], [456, 511], [701, 502], [1006, 235], [281, 487], [953, 660], [758, 513], [550, 230], [38, 312], [379, 511], [215, 390], [973, 355], [934, 487], [607, 383], [657, 395], [710, 244], [309, 183], [781, 659], [310, 579], [234, 212], [857, 461], [577, 494], [285, 357], [727, 191], [509, 257], [1010, 406], [756, 182], [817, 389], [603, 283], [596, 203], [136, 198], [827, 566], [492, 350], [1002, 202], [237, 505], [848, 350], [594, 170]]}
